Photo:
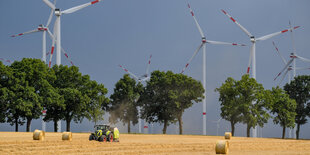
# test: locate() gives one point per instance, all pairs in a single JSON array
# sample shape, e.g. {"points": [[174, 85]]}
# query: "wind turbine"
{"points": [[217, 125], [203, 45], [142, 78], [57, 34], [253, 39], [287, 67], [41, 28]]}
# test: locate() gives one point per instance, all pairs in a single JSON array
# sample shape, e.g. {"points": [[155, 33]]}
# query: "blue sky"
{"points": [[102, 36]]}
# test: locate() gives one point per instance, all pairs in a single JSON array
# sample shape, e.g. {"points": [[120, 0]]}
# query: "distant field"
{"points": [[22, 143]]}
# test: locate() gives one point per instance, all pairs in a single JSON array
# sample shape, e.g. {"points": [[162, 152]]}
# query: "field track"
{"points": [[22, 143]]}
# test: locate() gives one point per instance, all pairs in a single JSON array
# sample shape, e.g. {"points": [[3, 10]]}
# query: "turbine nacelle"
{"points": [[252, 38], [203, 39], [57, 12]]}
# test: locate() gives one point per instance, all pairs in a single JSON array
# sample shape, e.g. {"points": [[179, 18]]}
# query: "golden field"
{"points": [[22, 143]]}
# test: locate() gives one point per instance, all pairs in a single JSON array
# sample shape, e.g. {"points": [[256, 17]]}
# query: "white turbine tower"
{"points": [[57, 34], [43, 29], [203, 45], [57, 31], [217, 125], [252, 59], [142, 78]]}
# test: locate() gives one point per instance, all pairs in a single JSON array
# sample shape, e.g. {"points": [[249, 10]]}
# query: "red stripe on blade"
{"points": [[52, 51], [93, 2], [192, 13], [296, 27], [145, 127], [224, 12], [234, 44], [204, 113], [232, 19], [248, 70], [284, 31]]}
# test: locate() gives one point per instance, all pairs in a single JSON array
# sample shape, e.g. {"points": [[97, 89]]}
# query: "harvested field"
{"points": [[22, 143]]}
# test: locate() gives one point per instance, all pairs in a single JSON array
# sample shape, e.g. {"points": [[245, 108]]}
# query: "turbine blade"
{"points": [[53, 44], [32, 31], [73, 9], [51, 15], [126, 70], [285, 67], [284, 76], [292, 36], [189, 61], [240, 26], [148, 65], [5, 60], [197, 24], [223, 43], [274, 34], [302, 68], [48, 3], [303, 59], [66, 55], [279, 52]]}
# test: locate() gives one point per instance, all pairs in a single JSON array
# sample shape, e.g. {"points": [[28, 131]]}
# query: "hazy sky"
{"points": [[112, 32]]}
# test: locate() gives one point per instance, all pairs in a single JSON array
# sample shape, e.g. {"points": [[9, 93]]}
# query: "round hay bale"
{"points": [[221, 147], [67, 136], [227, 135], [38, 135]]}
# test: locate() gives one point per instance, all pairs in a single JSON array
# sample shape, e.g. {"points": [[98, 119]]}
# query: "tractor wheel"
{"points": [[110, 137], [102, 138], [92, 137]]}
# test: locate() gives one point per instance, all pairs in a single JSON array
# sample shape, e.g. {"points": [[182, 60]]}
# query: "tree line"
{"points": [[28, 86], [246, 101]]}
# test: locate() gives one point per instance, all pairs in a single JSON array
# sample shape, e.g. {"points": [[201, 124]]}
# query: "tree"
{"points": [[253, 103], [32, 75], [98, 102], [284, 108], [157, 104], [299, 90], [230, 102], [5, 75], [72, 86], [123, 104], [185, 91]]}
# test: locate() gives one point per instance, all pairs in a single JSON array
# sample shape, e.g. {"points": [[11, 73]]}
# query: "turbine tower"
{"points": [[203, 46], [252, 59]]}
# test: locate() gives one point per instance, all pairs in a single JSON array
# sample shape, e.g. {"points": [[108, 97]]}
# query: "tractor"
{"points": [[105, 133]]}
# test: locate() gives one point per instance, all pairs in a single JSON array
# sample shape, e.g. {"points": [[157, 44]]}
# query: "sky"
{"points": [[121, 32]]}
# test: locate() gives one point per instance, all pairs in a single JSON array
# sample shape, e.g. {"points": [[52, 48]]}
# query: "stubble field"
{"points": [[22, 143]]}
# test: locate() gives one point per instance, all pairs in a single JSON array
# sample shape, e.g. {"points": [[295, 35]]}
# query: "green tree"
{"points": [[230, 102], [156, 101], [253, 102], [98, 102], [299, 90], [31, 73], [72, 86], [5, 75], [123, 104], [284, 108], [185, 91]]}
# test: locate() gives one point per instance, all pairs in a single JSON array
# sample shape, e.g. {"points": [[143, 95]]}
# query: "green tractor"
{"points": [[105, 133]]}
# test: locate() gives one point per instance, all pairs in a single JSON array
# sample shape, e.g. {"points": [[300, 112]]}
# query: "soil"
{"points": [[22, 143]]}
